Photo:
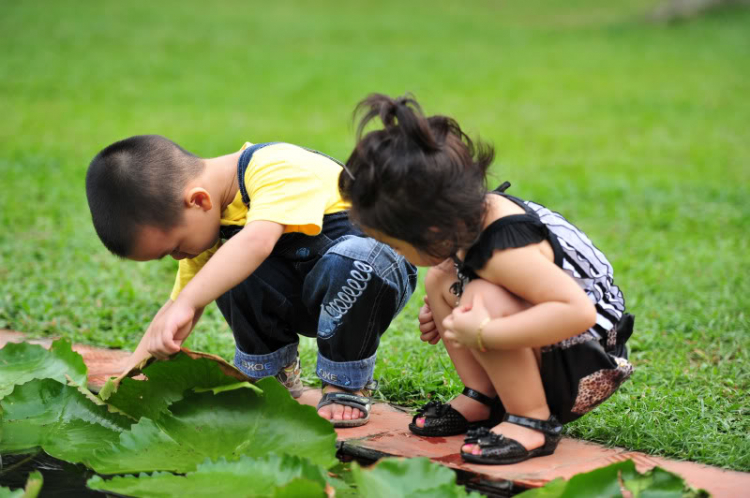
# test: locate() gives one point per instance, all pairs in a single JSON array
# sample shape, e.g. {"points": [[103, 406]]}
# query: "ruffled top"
{"points": [[518, 230], [508, 232], [574, 254]]}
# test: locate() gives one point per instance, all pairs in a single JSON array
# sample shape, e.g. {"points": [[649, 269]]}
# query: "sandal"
{"points": [[497, 449], [441, 419], [361, 403], [291, 377]]}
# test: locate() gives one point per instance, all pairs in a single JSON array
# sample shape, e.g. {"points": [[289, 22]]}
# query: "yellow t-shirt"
{"points": [[286, 184]]}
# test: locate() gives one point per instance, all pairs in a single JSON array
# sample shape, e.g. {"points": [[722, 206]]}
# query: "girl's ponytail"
{"points": [[400, 116], [411, 163]]}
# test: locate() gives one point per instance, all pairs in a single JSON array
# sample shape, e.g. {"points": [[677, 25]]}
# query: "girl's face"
{"points": [[408, 251]]}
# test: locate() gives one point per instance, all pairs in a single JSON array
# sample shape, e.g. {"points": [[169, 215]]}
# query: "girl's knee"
{"points": [[438, 281], [498, 300], [504, 354]]}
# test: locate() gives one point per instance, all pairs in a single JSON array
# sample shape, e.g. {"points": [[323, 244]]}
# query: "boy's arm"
{"points": [[142, 350], [236, 260]]}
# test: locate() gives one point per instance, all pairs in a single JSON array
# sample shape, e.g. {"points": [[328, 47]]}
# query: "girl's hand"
{"points": [[462, 326], [427, 325]]}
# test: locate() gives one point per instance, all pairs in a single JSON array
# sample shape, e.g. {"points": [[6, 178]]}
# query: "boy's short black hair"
{"points": [[138, 182]]}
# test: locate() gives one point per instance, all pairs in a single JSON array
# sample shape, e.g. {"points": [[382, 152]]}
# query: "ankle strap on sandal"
{"points": [[372, 385], [477, 396], [550, 426]]}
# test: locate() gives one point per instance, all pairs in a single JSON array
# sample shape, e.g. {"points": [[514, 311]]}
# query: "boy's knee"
{"points": [[360, 270], [365, 255], [498, 300]]}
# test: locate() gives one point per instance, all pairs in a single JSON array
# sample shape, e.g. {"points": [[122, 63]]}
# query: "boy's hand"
{"points": [[427, 325], [462, 325], [171, 329]]}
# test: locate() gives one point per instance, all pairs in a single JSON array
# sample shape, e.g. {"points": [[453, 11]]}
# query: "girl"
{"points": [[524, 302]]}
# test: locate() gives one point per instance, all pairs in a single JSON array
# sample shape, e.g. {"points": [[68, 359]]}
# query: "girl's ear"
{"points": [[198, 197]]}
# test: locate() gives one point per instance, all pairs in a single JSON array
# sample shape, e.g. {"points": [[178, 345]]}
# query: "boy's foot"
{"points": [[291, 377], [335, 411]]}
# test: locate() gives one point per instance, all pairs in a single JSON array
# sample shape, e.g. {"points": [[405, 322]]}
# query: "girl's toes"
{"points": [[347, 413], [420, 422]]}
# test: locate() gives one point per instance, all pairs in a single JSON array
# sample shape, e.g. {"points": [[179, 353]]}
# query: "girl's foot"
{"points": [[528, 438], [472, 410], [340, 412], [506, 444]]}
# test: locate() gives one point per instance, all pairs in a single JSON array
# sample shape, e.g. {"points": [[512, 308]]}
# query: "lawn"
{"points": [[637, 132]]}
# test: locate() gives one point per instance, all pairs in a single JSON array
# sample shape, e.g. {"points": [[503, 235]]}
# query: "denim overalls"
{"points": [[339, 286]]}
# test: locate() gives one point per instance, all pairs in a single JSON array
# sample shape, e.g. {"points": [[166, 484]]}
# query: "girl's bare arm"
{"points": [[560, 308]]}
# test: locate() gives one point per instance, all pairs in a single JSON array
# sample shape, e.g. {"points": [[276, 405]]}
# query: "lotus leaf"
{"points": [[33, 487], [610, 480], [58, 418], [166, 383], [409, 478], [22, 362], [271, 475]]}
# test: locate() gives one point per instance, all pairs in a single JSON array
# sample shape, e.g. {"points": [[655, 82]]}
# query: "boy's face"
{"points": [[198, 232]]}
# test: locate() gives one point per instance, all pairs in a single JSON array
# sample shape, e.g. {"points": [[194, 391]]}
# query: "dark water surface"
{"points": [[61, 479]]}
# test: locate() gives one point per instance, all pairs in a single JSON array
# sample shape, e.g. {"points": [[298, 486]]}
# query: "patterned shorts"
{"points": [[580, 373]]}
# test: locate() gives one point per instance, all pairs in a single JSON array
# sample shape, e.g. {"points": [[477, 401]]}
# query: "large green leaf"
{"points": [[10, 493], [69, 426], [409, 478], [22, 362], [272, 475], [658, 483], [300, 488], [166, 383], [608, 481], [228, 424], [58, 418], [229, 420]]}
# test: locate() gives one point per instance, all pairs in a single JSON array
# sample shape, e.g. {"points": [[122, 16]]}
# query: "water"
{"points": [[61, 479]]}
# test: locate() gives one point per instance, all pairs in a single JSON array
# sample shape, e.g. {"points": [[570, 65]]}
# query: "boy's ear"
{"points": [[198, 197]]}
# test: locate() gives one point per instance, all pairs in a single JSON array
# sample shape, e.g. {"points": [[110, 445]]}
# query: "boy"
{"points": [[264, 233]]}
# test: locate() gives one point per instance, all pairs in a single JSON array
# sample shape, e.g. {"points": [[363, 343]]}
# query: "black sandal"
{"points": [[500, 450], [361, 403], [441, 419]]}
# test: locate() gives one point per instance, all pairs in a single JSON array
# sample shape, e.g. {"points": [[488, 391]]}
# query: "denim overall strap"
{"points": [[244, 160], [325, 155], [332, 159]]}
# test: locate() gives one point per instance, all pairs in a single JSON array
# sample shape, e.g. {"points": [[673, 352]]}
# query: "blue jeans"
{"points": [[339, 286]]}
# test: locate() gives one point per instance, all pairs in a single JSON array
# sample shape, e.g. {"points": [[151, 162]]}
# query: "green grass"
{"points": [[636, 132]]}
